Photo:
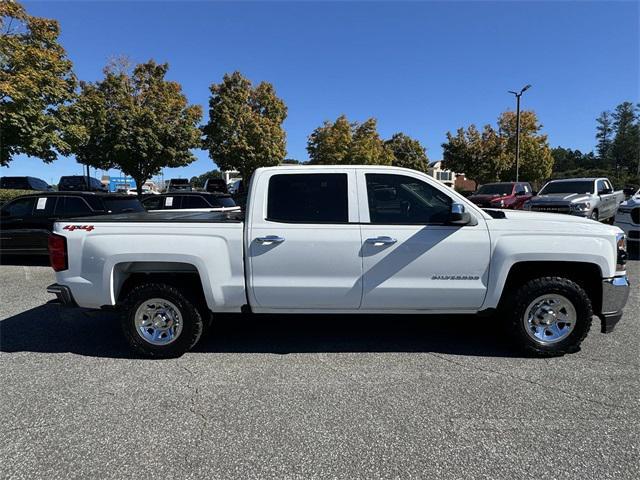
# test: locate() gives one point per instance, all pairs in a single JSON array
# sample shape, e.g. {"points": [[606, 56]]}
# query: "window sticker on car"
{"points": [[42, 203], [168, 201]]}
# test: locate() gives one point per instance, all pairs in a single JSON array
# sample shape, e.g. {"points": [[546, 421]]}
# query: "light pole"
{"points": [[518, 95]]}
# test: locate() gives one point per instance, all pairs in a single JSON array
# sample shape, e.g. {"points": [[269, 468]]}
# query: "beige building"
{"points": [[445, 176]]}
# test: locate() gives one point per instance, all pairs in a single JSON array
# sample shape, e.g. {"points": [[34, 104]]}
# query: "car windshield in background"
{"points": [[14, 183], [122, 205], [581, 186], [222, 202], [495, 189]]}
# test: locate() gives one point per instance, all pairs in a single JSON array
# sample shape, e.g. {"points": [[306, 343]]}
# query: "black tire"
{"points": [[192, 322], [515, 309], [594, 216]]}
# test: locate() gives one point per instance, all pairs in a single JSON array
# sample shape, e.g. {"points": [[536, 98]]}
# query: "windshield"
{"points": [[578, 186], [495, 189], [14, 183], [122, 205]]}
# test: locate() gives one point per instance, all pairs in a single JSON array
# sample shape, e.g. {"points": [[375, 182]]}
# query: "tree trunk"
{"points": [[139, 183]]}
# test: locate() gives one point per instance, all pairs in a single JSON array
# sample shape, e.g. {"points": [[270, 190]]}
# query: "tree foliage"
{"points": [[36, 78], [245, 131], [489, 156], [136, 121], [625, 147], [407, 152], [604, 134], [199, 180], [345, 143]]}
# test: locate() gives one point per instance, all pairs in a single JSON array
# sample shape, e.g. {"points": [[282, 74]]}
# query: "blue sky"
{"points": [[420, 67]]}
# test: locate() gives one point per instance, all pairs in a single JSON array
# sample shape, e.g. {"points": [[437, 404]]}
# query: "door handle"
{"points": [[378, 241], [270, 239]]}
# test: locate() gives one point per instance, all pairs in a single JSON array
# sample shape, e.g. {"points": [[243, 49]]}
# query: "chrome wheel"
{"points": [[550, 318], [158, 321]]}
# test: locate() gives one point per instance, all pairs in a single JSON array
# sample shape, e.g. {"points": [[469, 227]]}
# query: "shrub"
{"points": [[8, 194]]}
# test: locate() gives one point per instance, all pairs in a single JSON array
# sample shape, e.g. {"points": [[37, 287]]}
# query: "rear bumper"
{"points": [[63, 293], [615, 292]]}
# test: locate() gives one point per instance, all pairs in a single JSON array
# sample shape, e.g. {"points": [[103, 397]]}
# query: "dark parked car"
{"points": [[78, 183], [26, 221], [215, 185], [502, 195], [24, 183], [178, 185], [190, 201]]}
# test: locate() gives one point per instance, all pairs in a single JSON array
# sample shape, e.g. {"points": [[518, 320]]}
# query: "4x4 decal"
{"points": [[71, 228]]}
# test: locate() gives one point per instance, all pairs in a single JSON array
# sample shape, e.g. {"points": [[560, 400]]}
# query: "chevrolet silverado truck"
{"points": [[592, 198], [344, 239]]}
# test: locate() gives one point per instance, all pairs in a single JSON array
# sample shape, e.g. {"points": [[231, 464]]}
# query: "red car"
{"points": [[502, 195]]}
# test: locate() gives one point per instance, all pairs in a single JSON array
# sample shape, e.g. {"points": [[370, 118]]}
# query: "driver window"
{"points": [[399, 199]]}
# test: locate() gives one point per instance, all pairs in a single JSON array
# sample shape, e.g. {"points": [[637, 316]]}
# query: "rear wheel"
{"points": [[160, 322], [549, 316]]}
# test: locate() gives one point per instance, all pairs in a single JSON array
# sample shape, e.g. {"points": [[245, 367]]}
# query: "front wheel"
{"points": [[549, 316], [594, 216], [160, 322]]}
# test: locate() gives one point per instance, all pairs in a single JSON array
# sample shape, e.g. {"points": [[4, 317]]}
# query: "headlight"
{"points": [[580, 207], [621, 243]]}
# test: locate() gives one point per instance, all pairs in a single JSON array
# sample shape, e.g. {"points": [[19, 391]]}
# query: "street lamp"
{"points": [[518, 95]]}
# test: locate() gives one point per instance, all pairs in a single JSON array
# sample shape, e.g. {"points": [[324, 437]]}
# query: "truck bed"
{"points": [[164, 216]]}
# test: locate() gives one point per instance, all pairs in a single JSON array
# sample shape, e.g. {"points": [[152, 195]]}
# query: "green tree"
{"points": [[407, 152], [345, 143], [245, 131], [36, 78], [135, 121], [604, 134], [479, 155], [625, 148], [199, 180], [536, 161]]}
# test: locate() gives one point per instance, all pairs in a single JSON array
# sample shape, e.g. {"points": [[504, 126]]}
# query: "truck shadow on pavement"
{"points": [[51, 328]]}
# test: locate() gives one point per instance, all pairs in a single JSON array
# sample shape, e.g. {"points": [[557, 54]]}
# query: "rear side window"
{"points": [[14, 183], [308, 198], [72, 207], [153, 203], [194, 202], [44, 206], [19, 208], [172, 202]]}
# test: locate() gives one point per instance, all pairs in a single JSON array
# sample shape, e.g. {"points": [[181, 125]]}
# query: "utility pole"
{"points": [[518, 95]]}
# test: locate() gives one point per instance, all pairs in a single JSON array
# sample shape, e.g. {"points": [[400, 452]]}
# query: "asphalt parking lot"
{"points": [[310, 397]]}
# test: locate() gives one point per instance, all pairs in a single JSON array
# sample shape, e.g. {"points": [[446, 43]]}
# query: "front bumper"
{"points": [[615, 292], [63, 293]]}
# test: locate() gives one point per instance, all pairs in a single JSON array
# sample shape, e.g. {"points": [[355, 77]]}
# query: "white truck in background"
{"points": [[344, 239]]}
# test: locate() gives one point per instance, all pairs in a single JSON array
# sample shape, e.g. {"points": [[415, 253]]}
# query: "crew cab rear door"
{"points": [[304, 242], [412, 259]]}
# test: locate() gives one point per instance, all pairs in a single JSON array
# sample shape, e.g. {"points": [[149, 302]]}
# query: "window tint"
{"points": [[19, 208], [222, 202], [44, 206], [520, 188], [122, 205], [72, 207], [308, 198], [601, 185], [194, 202], [172, 202], [398, 199], [18, 183], [527, 188], [153, 203]]}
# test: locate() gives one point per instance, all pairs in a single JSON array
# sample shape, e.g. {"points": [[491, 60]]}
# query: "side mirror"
{"points": [[458, 215], [604, 191]]}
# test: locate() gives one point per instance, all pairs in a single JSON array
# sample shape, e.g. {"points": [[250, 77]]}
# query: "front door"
{"points": [[304, 245], [413, 260]]}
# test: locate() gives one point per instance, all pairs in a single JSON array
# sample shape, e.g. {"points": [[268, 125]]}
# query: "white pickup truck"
{"points": [[344, 239]]}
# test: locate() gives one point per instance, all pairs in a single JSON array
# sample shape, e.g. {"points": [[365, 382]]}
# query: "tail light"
{"points": [[58, 252]]}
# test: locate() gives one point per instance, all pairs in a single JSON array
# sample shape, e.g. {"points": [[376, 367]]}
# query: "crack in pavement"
{"points": [[526, 380]]}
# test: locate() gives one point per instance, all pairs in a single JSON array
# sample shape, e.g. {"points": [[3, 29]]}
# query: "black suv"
{"points": [[24, 183], [26, 221], [215, 185], [188, 201], [78, 183]]}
